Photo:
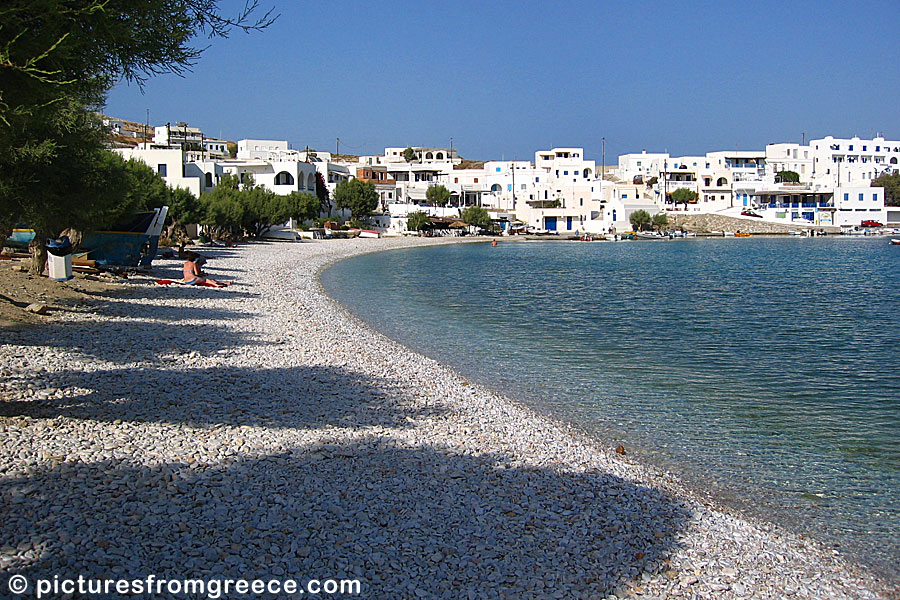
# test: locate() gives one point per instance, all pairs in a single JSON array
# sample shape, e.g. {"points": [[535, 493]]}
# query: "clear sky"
{"points": [[504, 79]]}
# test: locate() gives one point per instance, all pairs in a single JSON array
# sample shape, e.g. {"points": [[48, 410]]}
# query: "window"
{"points": [[508, 187], [864, 149], [209, 180], [874, 197], [846, 197], [161, 169], [284, 178], [498, 169], [851, 147], [860, 197], [476, 180]]}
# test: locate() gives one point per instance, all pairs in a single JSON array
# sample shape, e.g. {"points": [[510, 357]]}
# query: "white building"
{"points": [[180, 134]]}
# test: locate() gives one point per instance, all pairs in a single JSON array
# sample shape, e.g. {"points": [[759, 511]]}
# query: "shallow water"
{"points": [[763, 371]]}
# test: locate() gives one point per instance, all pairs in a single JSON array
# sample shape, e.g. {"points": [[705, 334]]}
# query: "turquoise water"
{"points": [[763, 371]]}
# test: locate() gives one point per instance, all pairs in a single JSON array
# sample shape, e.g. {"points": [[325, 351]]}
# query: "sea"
{"points": [[764, 372]]}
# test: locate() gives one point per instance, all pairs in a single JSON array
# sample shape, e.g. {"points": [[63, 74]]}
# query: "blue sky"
{"points": [[506, 79]]}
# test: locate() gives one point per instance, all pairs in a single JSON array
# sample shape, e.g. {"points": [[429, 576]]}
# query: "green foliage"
{"points": [[58, 58], [418, 221], [640, 219], [891, 185], [184, 207], [476, 217], [358, 196], [409, 154], [660, 221], [223, 213], [145, 189], [437, 195], [684, 196], [262, 209], [51, 50], [787, 177], [302, 206], [229, 181]]}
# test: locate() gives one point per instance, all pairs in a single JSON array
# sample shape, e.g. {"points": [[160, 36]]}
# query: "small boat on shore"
{"points": [[740, 234]]}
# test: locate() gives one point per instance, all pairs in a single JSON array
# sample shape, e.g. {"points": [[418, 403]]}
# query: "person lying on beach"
{"points": [[192, 276], [195, 257]]}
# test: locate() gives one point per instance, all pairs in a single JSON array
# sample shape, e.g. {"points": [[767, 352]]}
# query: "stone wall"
{"points": [[705, 223]]}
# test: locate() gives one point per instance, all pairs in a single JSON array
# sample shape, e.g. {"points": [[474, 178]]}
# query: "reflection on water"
{"points": [[762, 369]]}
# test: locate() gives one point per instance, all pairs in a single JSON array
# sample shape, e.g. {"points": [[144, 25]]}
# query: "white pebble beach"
{"points": [[261, 431]]}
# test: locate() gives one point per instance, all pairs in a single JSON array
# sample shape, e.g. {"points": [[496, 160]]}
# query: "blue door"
{"points": [[550, 223], [569, 223]]}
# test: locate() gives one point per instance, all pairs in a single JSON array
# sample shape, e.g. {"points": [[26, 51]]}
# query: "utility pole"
{"points": [[603, 159], [146, 130], [338, 149], [514, 183]]}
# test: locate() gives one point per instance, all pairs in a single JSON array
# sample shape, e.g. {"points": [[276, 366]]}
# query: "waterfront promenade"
{"points": [[260, 431]]}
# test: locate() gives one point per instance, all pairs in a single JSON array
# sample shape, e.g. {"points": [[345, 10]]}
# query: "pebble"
{"points": [[261, 430]]}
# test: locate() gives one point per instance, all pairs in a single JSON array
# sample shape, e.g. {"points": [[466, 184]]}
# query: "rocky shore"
{"points": [[260, 431]]}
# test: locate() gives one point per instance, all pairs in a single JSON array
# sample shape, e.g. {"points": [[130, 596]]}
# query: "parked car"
{"points": [[869, 223], [750, 213]]}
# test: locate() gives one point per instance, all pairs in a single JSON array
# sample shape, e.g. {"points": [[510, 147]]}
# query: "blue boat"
{"points": [[132, 243], [21, 237]]}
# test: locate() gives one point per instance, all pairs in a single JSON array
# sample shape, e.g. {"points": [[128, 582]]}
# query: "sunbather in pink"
{"points": [[192, 276]]}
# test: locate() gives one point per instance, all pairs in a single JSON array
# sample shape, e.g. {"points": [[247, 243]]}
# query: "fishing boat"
{"points": [[21, 237], [895, 242], [132, 243], [741, 234]]}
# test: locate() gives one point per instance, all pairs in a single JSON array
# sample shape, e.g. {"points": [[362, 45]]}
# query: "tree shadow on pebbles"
{"points": [[303, 397], [408, 522]]}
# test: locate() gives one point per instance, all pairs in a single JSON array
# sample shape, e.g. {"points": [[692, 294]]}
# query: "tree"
{"points": [[358, 196], [262, 209], [409, 154], [418, 221], [660, 221], [891, 185], [322, 194], [684, 196], [476, 217], [787, 177], [639, 219], [303, 206], [222, 213], [437, 195], [58, 58], [184, 208]]}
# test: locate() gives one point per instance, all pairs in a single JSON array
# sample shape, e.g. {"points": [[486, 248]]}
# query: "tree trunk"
{"points": [[38, 253]]}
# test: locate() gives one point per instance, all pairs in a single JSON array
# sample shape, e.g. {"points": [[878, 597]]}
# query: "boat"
{"points": [[21, 238], [740, 234], [648, 235], [366, 233], [132, 243], [895, 242]]}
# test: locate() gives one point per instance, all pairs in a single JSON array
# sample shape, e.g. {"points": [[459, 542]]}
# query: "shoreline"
{"points": [[364, 458]]}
